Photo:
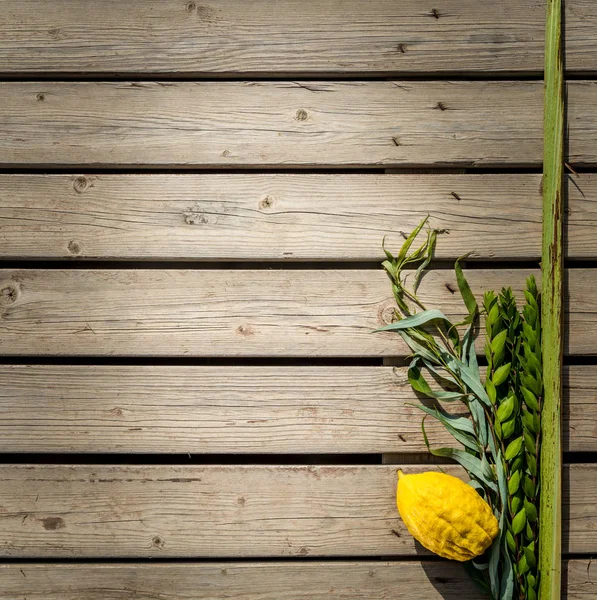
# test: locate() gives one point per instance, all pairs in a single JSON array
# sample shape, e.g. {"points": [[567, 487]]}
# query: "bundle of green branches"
{"points": [[499, 440]]}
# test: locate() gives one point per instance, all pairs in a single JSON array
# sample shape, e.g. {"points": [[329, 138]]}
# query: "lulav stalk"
{"points": [[550, 515]]}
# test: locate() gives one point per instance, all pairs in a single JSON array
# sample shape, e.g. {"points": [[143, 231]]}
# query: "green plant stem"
{"points": [[551, 314]]}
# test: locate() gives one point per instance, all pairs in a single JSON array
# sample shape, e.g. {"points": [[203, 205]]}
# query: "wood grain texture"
{"points": [[291, 580], [237, 312], [290, 36], [274, 217], [217, 409], [284, 123], [228, 312], [223, 511]]}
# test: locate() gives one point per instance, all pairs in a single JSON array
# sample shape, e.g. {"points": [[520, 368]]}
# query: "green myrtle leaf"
{"points": [[515, 504], [517, 464], [530, 399], [528, 532], [531, 580], [532, 464], [501, 374], [491, 392], [532, 384], [508, 428], [530, 556], [493, 314], [529, 423], [514, 483], [522, 566], [514, 448], [529, 442], [506, 408], [498, 343], [531, 593], [537, 422], [531, 511], [528, 486], [519, 521], [510, 541]]}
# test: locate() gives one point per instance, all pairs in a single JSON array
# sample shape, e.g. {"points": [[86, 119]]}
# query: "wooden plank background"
{"points": [[244, 313], [284, 580], [240, 409], [223, 511], [233, 37], [186, 134]]}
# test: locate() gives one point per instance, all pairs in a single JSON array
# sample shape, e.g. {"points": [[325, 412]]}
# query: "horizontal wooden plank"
{"points": [[216, 312], [289, 580], [233, 36], [272, 217], [275, 217], [225, 511], [237, 312], [215, 409], [348, 580], [284, 123]]}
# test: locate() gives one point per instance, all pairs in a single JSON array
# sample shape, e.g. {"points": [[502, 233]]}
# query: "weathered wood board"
{"points": [[235, 409], [238, 312], [281, 217], [286, 123], [294, 36], [282, 123], [290, 580], [226, 511], [276, 217]]}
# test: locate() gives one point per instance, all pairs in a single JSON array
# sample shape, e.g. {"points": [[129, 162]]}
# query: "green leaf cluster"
{"points": [[498, 442]]}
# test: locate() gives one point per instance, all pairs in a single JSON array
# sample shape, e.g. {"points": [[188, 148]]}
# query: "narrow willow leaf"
{"points": [[419, 384], [478, 415], [431, 240], [514, 448], [519, 522], [416, 320], [460, 428], [508, 577], [419, 349], [410, 239], [531, 511], [501, 374], [465, 291], [514, 483]]}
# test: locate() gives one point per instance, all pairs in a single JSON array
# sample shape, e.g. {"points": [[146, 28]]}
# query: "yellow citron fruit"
{"points": [[445, 515]]}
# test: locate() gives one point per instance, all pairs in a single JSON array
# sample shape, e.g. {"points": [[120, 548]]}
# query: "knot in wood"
{"points": [[40, 97], [9, 294], [386, 314], [74, 247], [301, 115], [267, 202], [81, 184], [191, 6]]}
